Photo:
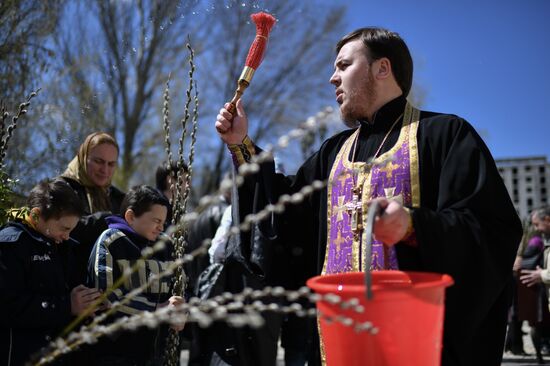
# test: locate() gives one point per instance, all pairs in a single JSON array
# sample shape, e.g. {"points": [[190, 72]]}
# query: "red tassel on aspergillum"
{"points": [[264, 22]]}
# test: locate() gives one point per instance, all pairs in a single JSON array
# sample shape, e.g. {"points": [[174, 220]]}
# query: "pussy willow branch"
{"points": [[9, 130], [243, 310], [187, 218], [166, 122]]}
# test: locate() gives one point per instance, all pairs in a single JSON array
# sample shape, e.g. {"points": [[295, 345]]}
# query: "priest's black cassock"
{"points": [[466, 226]]}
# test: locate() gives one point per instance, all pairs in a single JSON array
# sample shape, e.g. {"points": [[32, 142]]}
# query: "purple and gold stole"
{"points": [[393, 175]]}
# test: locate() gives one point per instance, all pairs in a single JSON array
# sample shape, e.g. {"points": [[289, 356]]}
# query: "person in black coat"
{"points": [[38, 297]]}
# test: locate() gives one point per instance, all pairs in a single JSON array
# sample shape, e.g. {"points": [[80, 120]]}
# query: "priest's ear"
{"points": [[381, 68]]}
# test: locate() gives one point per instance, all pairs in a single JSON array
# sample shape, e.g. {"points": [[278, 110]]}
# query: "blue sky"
{"points": [[486, 61]]}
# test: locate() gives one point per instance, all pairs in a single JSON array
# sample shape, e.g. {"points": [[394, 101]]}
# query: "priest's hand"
{"points": [[232, 128], [531, 277], [391, 226]]}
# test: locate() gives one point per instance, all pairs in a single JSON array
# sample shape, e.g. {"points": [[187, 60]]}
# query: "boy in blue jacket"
{"points": [[143, 213]]}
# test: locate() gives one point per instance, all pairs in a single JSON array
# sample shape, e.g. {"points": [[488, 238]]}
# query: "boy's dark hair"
{"points": [[140, 199], [164, 170], [55, 198]]}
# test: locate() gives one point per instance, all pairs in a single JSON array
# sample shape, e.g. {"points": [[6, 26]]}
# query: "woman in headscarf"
{"points": [[91, 171], [90, 174]]}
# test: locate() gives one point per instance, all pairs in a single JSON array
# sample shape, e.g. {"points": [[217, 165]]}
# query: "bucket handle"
{"points": [[373, 211]]}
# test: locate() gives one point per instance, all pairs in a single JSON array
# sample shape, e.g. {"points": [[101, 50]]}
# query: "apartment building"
{"points": [[527, 180]]}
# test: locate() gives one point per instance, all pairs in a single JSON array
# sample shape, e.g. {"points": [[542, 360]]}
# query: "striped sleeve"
{"points": [[103, 259], [133, 304], [136, 305], [104, 278]]}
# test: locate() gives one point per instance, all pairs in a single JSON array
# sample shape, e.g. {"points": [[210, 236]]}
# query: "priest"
{"points": [[445, 206]]}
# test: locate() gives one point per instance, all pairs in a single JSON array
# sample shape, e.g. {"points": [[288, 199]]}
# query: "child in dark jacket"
{"points": [[38, 294], [143, 213]]}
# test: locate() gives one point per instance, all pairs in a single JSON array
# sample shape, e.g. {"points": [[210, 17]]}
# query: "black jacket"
{"points": [[115, 196], [203, 228], [116, 249], [86, 232], [246, 265], [35, 290]]}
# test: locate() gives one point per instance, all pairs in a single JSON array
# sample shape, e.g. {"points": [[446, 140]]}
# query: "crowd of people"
{"points": [[530, 301], [70, 243], [444, 208]]}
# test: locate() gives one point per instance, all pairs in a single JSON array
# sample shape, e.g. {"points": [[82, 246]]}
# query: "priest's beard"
{"points": [[359, 102]]}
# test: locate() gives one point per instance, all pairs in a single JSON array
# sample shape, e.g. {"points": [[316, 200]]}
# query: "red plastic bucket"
{"points": [[406, 311]]}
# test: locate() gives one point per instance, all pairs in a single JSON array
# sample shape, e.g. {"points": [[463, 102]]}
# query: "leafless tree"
{"points": [[291, 82], [137, 45], [114, 56], [24, 26]]}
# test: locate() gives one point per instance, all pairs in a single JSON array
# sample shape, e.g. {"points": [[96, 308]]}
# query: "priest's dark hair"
{"points": [[140, 199], [55, 198], [380, 43]]}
